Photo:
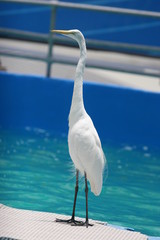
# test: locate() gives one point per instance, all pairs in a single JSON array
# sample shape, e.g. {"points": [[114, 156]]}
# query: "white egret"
{"points": [[84, 144]]}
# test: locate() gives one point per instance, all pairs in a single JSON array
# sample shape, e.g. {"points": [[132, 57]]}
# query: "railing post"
{"points": [[50, 41]]}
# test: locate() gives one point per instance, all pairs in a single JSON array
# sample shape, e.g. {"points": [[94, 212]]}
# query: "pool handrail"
{"points": [[91, 44]]}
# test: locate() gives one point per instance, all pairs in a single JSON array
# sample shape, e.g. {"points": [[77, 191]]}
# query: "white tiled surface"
{"points": [[28, 225]]}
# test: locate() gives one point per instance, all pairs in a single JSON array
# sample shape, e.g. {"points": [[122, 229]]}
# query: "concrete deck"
{"points": [[30, 225]]}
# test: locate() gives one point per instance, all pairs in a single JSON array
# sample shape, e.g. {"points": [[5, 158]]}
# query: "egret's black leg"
{"points": [[72, 219], [86, 223], [75, 196], [86, 193]]}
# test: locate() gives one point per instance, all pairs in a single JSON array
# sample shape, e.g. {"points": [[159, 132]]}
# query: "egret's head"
{"points": [[75, 34]]}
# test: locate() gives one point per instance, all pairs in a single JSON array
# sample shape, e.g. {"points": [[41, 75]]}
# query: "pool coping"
{"points": [[43, 221]]}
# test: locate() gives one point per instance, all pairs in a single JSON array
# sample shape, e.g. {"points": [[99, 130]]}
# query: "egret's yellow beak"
{"points": [[61, 31]]}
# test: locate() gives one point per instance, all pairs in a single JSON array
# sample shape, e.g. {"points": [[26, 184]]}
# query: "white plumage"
{"points": [[84, 144], [86, 151]]}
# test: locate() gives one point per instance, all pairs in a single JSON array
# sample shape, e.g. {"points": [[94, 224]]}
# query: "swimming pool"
{"points": [[37, 174], [36, 171]]}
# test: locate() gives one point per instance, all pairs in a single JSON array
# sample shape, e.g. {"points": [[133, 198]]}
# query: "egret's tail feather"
{"points": [[72, 171], [105, 170]]}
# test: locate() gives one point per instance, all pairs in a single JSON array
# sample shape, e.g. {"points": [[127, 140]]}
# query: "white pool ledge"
{"points": [[30, 225]]}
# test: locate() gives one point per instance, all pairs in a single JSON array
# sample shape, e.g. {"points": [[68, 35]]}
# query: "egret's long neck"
{"points": [[77, 106]]}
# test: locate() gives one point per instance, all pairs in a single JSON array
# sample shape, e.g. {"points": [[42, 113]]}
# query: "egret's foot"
{"points": [[82, 224], [69, 221]]}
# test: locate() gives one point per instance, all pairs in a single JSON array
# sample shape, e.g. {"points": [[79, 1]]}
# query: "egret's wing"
{"points": [[88, 152]]}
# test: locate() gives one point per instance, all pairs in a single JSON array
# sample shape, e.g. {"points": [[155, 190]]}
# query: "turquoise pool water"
{"points": [[36, 173]]}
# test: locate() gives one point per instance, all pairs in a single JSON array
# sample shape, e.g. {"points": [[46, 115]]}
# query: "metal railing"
{"points": [[102, 45], [88, 7]]}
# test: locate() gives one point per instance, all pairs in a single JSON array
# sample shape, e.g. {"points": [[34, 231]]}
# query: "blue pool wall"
{"points": [[119, 114]]}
